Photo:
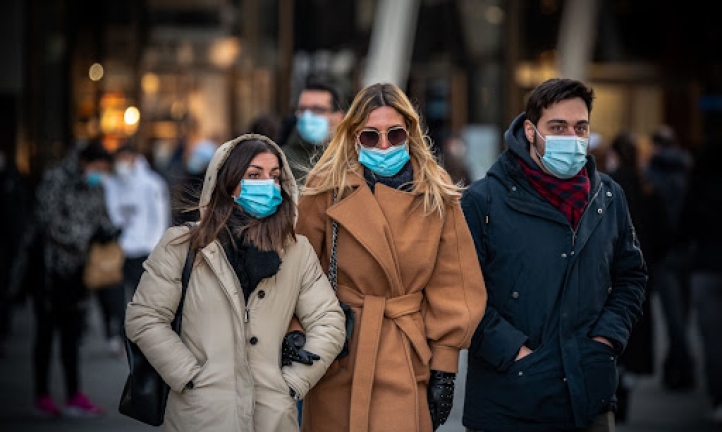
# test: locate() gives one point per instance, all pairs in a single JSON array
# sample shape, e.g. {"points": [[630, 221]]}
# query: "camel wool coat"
{"points": [[418, 293]]}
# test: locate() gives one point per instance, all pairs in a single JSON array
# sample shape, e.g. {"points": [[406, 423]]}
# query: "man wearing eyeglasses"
{"points": [[564, 273], [317, 114]]}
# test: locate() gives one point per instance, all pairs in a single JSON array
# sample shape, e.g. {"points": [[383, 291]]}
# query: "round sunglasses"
{"points": [[372, 137]]}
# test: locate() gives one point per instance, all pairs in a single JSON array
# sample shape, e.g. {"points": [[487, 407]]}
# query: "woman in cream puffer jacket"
{"points": [[250, 276]]}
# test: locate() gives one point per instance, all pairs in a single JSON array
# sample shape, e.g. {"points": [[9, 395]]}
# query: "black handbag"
{"points": [[350, 316], [145, 393]]}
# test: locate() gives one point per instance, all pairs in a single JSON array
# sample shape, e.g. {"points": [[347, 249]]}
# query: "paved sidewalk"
{"points": [[102, 377]]}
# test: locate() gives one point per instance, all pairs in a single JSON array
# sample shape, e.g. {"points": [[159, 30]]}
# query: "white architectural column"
{"points": [[392, 42], [577, 34]]}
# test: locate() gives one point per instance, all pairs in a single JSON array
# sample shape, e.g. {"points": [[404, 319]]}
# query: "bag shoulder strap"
{"points": [[185, 277], [333, 265]]}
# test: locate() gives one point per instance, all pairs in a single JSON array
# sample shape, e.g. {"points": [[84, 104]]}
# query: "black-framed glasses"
{"points": [[372, 137], [316, 109]]}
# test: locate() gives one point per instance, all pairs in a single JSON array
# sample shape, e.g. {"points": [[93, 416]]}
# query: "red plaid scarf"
{"points": [[570, 196]]}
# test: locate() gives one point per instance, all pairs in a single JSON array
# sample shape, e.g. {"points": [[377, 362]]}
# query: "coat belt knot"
{"points": [[375, 309]]}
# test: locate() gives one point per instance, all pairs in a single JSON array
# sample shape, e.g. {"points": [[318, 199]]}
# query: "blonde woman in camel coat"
{"points": [[406, 265]]}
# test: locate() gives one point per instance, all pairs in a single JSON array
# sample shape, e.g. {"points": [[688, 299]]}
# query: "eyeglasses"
{"points": [[316, 109], [372, 137]]}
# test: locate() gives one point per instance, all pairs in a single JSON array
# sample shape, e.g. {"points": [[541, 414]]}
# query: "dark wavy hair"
{"points": [[270, 233]]}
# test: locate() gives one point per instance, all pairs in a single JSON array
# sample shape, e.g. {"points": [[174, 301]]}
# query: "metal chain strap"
{"points": [[332, 265]]}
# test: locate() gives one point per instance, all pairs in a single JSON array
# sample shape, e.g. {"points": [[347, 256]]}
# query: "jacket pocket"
{"points": [[199, 379], [523, 394], [599, 365]]}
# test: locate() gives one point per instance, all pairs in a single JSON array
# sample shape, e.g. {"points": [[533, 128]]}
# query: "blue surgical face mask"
{"points": [[564, 156], [259, 198], [312, 127], [93, 178], [387, 162]]}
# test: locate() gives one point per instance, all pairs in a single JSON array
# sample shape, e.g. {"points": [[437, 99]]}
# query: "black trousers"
{"points": [[58, 307], [112, 308], [132, 271]]}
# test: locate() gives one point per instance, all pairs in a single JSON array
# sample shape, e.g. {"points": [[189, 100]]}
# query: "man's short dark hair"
{"points": [[95, 151], [664, 137], [322, 86], [127, 147], [556, 90]]}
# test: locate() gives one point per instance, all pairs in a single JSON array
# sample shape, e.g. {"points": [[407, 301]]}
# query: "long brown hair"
{"points": [[270, 233]]}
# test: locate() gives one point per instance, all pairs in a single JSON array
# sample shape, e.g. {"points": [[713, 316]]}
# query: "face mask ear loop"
{"points": [[538, 133], [536, 148]]}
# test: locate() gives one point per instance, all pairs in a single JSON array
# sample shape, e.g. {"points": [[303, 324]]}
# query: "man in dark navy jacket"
{"points": [[563, 270]]}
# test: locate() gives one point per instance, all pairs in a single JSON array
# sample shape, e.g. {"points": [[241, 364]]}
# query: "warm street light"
{"points": [[96, 72]]}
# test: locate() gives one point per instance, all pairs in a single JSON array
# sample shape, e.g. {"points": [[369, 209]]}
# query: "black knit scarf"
{"points": [[250, 264]]}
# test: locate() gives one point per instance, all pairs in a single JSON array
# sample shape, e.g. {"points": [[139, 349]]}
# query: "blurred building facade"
{"points": [[146, 69]]}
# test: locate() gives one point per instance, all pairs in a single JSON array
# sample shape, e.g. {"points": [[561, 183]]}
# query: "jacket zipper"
{"points": [[574, 230]]}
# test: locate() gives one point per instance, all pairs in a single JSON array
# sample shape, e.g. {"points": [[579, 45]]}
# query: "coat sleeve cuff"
{"points": [[444, 359]]}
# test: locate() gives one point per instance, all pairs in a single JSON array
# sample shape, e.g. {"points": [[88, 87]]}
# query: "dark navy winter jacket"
{"points": [[552, 288]]}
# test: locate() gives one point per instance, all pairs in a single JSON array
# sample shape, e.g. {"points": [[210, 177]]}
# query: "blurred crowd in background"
{"points": [[114, 111]]}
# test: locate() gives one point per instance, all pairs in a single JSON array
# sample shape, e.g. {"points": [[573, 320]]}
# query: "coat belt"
{"points": [[375, 309]]}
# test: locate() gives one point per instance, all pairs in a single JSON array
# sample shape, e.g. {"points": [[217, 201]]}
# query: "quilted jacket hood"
{"points": [[220, 157]]}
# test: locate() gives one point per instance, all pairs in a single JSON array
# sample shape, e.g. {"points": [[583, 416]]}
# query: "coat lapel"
{"points": [[360, 214]]}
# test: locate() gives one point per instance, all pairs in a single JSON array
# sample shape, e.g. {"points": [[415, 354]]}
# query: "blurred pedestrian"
{"points": [[305, 135], [246, 230], [405, 265], [318, 112], [701, 230], [167, 159], [71, 214], [668, 172], [564, 273], [265, 124], [649, 219], [189, 185], [139, 204], [14, 209], [453, 159]]}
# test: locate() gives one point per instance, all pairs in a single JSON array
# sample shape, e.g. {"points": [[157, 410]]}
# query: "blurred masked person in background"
{"points": [[405, 265], [701, 232], [71, 213], [668, 172], [318, 113], [251, 274], [139, 204], [185, 191], [650, 222]]}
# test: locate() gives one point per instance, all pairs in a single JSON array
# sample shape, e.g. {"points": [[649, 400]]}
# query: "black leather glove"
{"points": [[292, 349], [440, 394]]}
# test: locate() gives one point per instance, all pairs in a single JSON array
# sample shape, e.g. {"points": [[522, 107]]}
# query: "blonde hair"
{"points": [[341, 156]]}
